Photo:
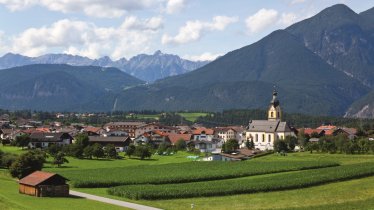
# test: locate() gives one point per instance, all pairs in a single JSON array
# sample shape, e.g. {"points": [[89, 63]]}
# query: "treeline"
{"points": [[242, 117]]}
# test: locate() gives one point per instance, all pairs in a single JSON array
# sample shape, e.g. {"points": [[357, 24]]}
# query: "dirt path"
{"points": [[112, 201]]}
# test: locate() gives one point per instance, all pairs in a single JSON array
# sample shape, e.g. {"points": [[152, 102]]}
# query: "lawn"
{"points": [[192, 116], [11, 149], [11, 199]]}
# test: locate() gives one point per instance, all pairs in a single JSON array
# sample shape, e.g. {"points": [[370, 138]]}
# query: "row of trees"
{"points": [[341, 144]]}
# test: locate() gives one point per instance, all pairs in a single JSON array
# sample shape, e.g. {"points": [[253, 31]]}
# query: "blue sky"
{"points": [[193, 29]]}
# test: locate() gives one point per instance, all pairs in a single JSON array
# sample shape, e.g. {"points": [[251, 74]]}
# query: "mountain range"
{"points": [[322, 65], [145, 67]]}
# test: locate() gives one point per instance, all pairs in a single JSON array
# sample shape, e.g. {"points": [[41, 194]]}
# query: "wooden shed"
{"points": [[44, 184]]}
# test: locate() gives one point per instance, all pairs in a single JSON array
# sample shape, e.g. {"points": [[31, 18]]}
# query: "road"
{"points": [[112, 201]]}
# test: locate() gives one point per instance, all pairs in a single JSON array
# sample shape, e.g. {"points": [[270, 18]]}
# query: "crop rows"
{"points": [[282, 181], [184, 172]]}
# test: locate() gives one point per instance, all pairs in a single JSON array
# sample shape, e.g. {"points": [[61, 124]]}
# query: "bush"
{"points": [[110, 151], [26, 164], [184, 172], [282, 181], [7, 160], [142, 152]]}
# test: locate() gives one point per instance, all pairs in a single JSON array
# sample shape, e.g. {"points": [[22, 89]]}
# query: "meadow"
{"points": [[280, 181], [184, 172], [318, 188]]}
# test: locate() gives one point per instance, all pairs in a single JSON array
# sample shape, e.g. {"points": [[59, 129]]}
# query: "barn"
{"points": [[44, 184]]}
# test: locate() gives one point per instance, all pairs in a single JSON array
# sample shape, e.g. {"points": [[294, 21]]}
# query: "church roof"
{"points": [[268, 126]]}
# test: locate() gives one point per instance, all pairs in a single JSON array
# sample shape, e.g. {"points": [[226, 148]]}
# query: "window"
{"points": [[269, 138], [263, 137], [271, 114], [256, 138]]}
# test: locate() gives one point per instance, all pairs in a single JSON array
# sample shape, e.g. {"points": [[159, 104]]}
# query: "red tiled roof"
{"points": [[92, 129], [309, 131], [175, 137], [207, 131], [44, 130], [36, 178], [327, 127]]}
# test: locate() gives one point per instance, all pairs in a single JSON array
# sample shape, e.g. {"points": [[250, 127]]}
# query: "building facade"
{"points": [[265, 132]]}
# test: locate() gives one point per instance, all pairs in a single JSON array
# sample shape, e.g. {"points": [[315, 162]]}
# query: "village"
{"points": [[256, 137]]}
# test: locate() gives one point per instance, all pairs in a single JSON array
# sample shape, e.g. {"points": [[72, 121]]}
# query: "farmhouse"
{"points": [[265, 132], [44, 184], [120, 142], [42, 140]]}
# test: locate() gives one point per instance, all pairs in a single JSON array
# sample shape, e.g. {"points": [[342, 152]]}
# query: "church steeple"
{"points": [[274, 112]]}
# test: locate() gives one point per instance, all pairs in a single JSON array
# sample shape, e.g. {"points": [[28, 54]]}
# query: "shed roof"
{"points": [[37, 178]]}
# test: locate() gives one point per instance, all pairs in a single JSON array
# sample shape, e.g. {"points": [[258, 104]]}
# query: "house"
{"points": [[239, 155], [175, 137], [44, 184], [310, 131], [140, 130], [203, 134], [265, 132], [225, 133], [115, 133], [128, 127], [349, 132], [42, 140], [207, 146], [154, 138], [120, 142], [93, 131]]}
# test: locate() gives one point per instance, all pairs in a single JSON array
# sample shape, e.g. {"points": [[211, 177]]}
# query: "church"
{"points": [[265, 132]]}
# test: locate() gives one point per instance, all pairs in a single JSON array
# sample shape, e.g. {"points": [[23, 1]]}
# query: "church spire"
{"points": [[274, 112]]}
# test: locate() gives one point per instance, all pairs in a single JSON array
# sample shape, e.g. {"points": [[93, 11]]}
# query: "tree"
{"points": [[7, 160], [130, 150], [280, 146], [82, 139], [110, 151], [75, 150], [142, 152], [230, 146], [22, 140], [97, 151], [88, 151], [53, 149], [291, 142], [162, 148], [26, 164], [59, 159], [180, 144], [314, 135]]}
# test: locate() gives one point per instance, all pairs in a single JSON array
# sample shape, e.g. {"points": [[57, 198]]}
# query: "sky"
{"points": [[192, 29]]}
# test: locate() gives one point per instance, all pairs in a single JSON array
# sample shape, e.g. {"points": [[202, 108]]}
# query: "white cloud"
{"points": [[261, 20], [194, 30], [175, 6], [297, 2], [207, 56], [97, 8], [287, 19], [82, 38]]}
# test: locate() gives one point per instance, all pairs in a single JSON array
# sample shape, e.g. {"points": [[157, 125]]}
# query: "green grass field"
{"points": [[12, 200], [352, 194], [192, 116]]}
